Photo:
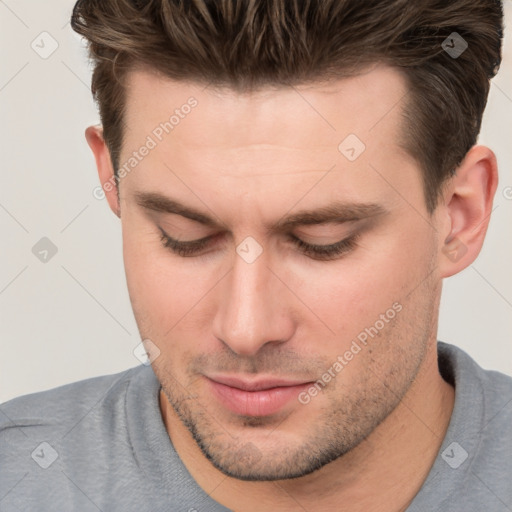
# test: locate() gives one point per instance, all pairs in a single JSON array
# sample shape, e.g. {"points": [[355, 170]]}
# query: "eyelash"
{"points": [[318, 252], [327, 252]]}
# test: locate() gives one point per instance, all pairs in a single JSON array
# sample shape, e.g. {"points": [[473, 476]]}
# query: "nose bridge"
{"points": [[251, 309]]}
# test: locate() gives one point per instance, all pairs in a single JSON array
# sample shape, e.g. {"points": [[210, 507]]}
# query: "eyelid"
{"points": [[292, 235], [315, 252], [328, 252], [201, 241], [338, 242], [190, 243]]}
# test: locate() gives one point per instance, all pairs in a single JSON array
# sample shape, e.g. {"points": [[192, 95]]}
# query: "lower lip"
{"points": [[256, 403]]}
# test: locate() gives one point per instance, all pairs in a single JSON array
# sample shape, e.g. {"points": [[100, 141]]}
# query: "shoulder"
{"points": [[480, 433], [71, 446], [491, 387], [60, 406]]}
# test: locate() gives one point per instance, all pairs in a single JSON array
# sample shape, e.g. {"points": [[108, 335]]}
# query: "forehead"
{"points": [[299, 116], [269, 147]]}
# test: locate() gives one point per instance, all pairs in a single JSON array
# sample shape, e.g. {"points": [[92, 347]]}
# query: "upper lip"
{"points": [[255, 385]]}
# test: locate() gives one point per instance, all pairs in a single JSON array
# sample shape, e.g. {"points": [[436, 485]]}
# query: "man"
{"points": [[294, 181]]}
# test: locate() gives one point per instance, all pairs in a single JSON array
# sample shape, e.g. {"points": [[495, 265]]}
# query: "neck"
{"points": [[383, 473]]}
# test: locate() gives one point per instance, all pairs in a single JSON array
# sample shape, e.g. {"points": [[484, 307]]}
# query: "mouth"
{"points": [[261, 397]]}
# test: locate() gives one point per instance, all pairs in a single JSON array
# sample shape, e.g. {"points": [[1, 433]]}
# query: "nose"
{"points": [[254, 307]]}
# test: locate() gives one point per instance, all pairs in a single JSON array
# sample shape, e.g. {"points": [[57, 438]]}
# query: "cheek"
{"points": [[351, 295], [161, 289]]}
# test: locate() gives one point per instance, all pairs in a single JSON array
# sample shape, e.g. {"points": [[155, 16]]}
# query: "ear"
{"points": [[94, 137], [468, 201]]}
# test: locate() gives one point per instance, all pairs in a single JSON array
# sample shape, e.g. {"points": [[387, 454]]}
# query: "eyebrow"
{"points": [[337, 212]]}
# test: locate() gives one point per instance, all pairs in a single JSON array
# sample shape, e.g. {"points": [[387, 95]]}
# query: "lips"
{"points": [[260, 397]]}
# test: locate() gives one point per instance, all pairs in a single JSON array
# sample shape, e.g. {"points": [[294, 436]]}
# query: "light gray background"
{"points": [[70, 318]]}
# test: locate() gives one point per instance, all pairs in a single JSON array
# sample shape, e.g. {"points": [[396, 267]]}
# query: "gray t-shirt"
{"points": [[101, 444]]}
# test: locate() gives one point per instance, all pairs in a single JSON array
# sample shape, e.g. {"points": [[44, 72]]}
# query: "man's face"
{"points": [[251, 306]]}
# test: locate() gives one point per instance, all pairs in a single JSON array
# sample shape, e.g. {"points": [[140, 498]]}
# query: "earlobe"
{"points": [[468, 204], [94, 137]]}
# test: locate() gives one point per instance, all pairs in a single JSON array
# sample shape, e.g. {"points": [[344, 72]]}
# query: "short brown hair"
{"points": [[248, 44]]}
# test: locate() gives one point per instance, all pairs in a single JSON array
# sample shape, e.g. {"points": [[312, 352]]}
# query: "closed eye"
{"points": [[318, 252], [327, 252]]}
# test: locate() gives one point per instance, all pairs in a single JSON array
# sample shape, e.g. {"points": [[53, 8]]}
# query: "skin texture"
{"points": [[370, 436]]}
